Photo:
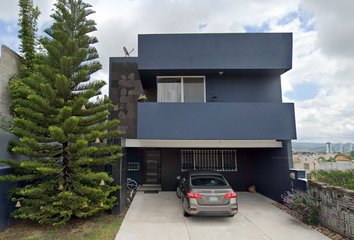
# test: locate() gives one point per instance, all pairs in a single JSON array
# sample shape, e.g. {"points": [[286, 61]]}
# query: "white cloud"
{"points": [[44, 19], [10, 28], [10, 40], [327, 60], [334, 23], [8, 10]]}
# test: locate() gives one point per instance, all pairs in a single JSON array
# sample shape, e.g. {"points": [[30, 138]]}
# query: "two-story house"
{"points": [[214, 102]]}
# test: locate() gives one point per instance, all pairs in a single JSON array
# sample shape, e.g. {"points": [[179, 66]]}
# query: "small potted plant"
{"points": [[142, 98]]}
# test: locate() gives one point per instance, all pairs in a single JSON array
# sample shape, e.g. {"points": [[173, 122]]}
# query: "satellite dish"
{"points": [[126, 51]]}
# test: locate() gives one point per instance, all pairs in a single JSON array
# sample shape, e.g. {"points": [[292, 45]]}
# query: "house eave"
{"points": [[152, 143]]}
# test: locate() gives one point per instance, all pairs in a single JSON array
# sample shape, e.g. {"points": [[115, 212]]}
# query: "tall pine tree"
{"points": [[57, 124], [28, 22]]}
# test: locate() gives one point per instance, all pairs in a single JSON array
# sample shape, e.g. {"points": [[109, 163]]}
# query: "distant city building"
{"points": [[309, 161], [328, 148], [338, 148], [347, 147]]}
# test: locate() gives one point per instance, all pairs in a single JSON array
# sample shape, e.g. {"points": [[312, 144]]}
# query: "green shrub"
{"points": [[302, 203], [349, 184], [336, 177]]}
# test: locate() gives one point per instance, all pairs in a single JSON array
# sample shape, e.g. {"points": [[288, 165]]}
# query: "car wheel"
{"points": [[178, 192], [184, 211]]}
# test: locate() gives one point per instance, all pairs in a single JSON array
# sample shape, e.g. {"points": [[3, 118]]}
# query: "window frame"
{"points": [[182, 85], [306, 166], [210, 152], [133, 166]]}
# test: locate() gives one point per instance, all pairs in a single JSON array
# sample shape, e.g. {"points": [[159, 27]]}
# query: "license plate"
{"points": [[213, 199]]}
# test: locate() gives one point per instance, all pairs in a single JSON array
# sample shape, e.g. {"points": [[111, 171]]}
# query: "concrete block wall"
{"points": [[9, 65], [125, 89], [337, 212]]}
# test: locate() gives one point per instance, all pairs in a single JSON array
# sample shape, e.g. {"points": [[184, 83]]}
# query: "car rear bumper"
{"points": [[193, 208]]}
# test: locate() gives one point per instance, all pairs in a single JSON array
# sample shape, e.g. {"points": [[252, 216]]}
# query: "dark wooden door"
{"points": [[152, 167]]}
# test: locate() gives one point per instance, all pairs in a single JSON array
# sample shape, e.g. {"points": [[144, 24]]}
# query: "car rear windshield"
{"points": [[207, 180]]}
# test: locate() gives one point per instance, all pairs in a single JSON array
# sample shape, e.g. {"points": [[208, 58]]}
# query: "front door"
{"points": [[152, 167]]}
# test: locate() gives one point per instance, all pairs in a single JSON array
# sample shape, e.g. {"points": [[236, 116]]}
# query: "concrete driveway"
{"points": [[159, 216]]}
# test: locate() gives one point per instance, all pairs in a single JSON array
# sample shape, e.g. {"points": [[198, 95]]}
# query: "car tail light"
{"points": [[193, 195], [231, 195]]}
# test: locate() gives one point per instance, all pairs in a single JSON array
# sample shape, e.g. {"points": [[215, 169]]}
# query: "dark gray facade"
{"points": [[215, 51], [244, 69], [244, 88], [207, 54], [6, 205], [119, 173], [213, 121], [267, 169]]}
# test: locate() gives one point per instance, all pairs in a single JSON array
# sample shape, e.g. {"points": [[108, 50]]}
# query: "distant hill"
{"points": [[310, 146]]}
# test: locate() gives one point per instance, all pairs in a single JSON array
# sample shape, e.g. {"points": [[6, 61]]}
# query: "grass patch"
{"points": [[101, 226]]}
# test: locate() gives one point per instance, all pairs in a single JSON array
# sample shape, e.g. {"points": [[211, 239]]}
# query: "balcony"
{"points": [[216, 121]]}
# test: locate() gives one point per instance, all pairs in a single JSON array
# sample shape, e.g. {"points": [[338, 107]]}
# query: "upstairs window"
{"points": [[181, 89]]}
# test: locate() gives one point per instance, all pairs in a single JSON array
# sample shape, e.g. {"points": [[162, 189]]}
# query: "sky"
{"points": [[320, 83]]}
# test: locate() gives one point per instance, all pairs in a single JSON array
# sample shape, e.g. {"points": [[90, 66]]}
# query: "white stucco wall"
{"points": [[312, 162], [337, 165]]}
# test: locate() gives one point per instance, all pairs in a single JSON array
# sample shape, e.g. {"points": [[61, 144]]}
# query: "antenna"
{"points": [[126, 51]]}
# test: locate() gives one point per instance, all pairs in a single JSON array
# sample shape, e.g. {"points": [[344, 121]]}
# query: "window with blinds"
{"points": [[209, 159], [181, 89]]}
